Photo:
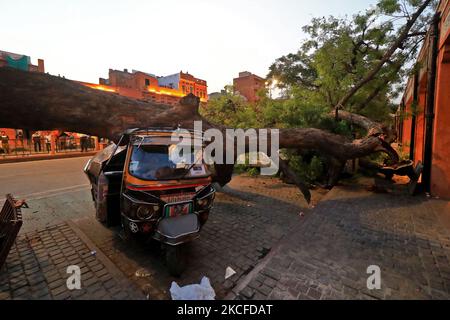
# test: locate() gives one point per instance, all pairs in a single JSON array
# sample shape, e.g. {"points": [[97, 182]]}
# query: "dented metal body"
{"points": [[136, 184]]}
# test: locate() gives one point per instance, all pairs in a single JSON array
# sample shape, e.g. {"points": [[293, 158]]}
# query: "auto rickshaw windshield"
{"points": [[153, 162]]}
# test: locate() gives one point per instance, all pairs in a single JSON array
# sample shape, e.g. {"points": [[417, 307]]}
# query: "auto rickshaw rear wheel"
{"points": [[176, 259]]}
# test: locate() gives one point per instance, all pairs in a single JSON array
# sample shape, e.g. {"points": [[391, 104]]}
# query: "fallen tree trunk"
{"points": [[39, 101]]}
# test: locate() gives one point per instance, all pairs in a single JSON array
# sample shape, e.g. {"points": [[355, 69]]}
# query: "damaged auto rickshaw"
{"points": [[136, 183]]}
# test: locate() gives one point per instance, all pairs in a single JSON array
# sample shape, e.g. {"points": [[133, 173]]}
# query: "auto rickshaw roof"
{"points": [[152, 140], [160, 131], [160, 136], [157, 140]]}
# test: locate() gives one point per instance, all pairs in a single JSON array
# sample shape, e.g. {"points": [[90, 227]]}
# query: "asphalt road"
{"points": [[55, 190]]}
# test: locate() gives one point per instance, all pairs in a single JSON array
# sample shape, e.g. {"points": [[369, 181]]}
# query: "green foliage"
{"points": [[402, 153], [309, 168], [253, 172], [246, 168], [230, 110], [337, 54], [389, 6]]}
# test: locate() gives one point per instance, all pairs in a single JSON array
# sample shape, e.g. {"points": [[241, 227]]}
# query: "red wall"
{"points": [[420, 129], [440, 170], [406, 136], [440, 166]]}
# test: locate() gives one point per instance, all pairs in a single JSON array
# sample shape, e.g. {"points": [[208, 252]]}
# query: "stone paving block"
{"points": [[109, 283], [90, 281], [105, 277], [64, 295], [248, 293], [20, 292], [35, 279], [17, 283], [5, 295], [53, 277], [101, 272], [264, 289]]}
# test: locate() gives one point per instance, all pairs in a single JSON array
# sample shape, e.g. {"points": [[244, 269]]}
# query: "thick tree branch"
{"points": [[417, 34], [388, 54]]}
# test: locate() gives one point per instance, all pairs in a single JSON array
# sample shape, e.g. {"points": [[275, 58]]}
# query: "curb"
{"points": [[47, 157]]}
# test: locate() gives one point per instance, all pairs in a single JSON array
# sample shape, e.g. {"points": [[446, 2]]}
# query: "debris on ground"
{"points": [[229, 272], [142, 273], [202, 291]]}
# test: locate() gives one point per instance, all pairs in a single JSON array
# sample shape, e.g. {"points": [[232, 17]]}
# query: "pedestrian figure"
{"points": [[19, 138], [4, 139], [48, 142], [37, 141], [90, 143], [71, 142], [84, 143]]}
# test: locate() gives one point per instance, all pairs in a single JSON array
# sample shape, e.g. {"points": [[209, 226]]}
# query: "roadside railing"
{"points": [[10, 224], [25, 147]]}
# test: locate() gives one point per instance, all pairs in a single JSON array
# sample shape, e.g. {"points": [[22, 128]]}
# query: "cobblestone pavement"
{"points": [[250, 216], [326, 256], [36, 268]]}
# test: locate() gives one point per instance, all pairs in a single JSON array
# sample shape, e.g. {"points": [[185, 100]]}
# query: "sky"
{"points": [[211, 39]]}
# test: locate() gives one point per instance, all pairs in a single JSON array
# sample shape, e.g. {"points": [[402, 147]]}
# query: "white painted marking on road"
{"points": [[57, 194], [29, 163], [53, 192]]}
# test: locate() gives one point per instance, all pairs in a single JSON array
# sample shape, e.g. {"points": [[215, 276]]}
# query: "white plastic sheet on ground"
{"points": [[202, 291], [229, 272]]}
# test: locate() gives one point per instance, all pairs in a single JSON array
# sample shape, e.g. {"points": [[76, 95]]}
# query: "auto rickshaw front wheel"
{"points": [[126, 234], [176, 259]]}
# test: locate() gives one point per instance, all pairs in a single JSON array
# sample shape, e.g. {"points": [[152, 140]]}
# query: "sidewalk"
{"points": [[328, 253], [36, 268], [45, 156]]}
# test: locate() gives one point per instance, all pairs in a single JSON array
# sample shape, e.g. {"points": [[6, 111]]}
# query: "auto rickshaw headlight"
{"points": [[205, 203], [146, 212]]}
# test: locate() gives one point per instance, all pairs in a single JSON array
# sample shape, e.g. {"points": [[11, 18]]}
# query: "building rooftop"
{"points": [[244, 74]]}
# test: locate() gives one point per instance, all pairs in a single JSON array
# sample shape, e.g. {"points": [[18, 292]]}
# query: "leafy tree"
{"points": [[230, 110], [338, 53]]}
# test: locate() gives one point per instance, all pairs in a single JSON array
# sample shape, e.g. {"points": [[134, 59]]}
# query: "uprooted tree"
{"points": [[38, 101]]}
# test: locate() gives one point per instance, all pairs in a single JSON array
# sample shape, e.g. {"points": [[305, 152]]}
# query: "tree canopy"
{"points": [[337, 56], [338, 53]]}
